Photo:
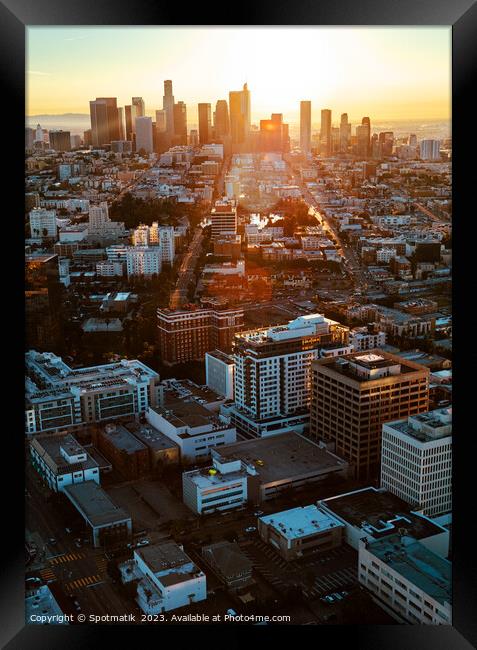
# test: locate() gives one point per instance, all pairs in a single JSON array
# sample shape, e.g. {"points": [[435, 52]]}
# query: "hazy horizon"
{"points": [[386, 73]]}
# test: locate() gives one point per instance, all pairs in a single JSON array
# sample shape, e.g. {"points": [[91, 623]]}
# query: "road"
{"points": [[186, 270], [430, 214], [352, 265]]}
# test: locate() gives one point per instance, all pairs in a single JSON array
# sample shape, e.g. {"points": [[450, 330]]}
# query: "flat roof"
{"points": [[380, 513], [122, 438], [417, 564], [94, 504], [49, 448], [281, 456], [301, 522], [221, 356], [150, 436], [169, 563]]}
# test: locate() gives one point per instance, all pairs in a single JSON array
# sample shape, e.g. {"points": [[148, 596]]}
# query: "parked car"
{"points": [[52, 541], [259, 513], [143, 542], [250, 529]]}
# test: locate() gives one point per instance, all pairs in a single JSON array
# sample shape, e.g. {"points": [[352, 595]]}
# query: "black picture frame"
{"points": [[15, 16]]}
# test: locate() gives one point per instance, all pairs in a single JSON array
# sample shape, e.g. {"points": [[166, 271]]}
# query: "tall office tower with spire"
{"points": [[325, 133], [104, 120], [205, 123], [345, 133], [222, 122], [138, 102], [180, 123], [168, 106], [130, 120], [239, 105], [305, 126]]}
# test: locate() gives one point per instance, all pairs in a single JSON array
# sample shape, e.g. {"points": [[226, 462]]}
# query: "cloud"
{"points": [[40, 74]]}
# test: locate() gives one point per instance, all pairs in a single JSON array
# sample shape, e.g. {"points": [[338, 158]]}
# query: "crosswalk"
{"points": [[48, 575], [81, 583], [68, 557]]}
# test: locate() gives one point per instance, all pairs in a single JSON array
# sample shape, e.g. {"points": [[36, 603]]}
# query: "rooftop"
{"points": [[122, 438], [426, 427], [380, 513], [150, 436], [94, 504], [221, 356], [301, 522], [280, 456], [49, 448], [169, 563], [417, 564]]}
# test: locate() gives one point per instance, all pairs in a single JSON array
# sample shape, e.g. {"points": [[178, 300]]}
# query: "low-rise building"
{"points": [[372, 514], [301, 531], [109, 523], [40, 603], [60, 461], [166, 578], [162, 450], [220, 487], [407, 579], [125, 451], [230, 564]]}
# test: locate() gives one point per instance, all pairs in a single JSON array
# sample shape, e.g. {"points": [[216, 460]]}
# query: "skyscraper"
{"points": [[363, 134], [354, 395], [345, 133], [60, 140], [305, 126], [325, 134], [122, 129], [130, 115], [205, 123], [144, 139], [104, 120], [222, 122], [239, 105], [274, 134], [138, 102], [168, 106], [180, 123]]}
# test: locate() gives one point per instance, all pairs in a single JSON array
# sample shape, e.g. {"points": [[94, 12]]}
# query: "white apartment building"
{"points": [[166, 578], [194, 428], [141, 236], [407, 579], [220, 487], [143, 260], [219, 373], [273, 373], [361, 339], [109, 268], [43, 223], [61, 460], [100, 225], [430, 149], [156, 235], [385, 255], [416, 460]]}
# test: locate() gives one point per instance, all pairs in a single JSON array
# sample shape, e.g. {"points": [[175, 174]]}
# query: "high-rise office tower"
{"points": [[122, 127], [138, 102], [144, 137], [430, 149], [43, 292], [104, 120], [180, 123], [130, 120], [205, 123], [168, 106], [354, 395], [325, 133], [305, 126], [60, 140], [239, 106], [345, 133], [363, 134], [161, 139], [222, 122], [273, 373], [416, 461], [194, 138], [274, 134]]}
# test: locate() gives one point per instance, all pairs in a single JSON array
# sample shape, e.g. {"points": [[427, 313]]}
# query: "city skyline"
{"points": [[401, 73]]}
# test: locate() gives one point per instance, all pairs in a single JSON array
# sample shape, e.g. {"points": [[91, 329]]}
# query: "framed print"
{"points": [[239, 311]]}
